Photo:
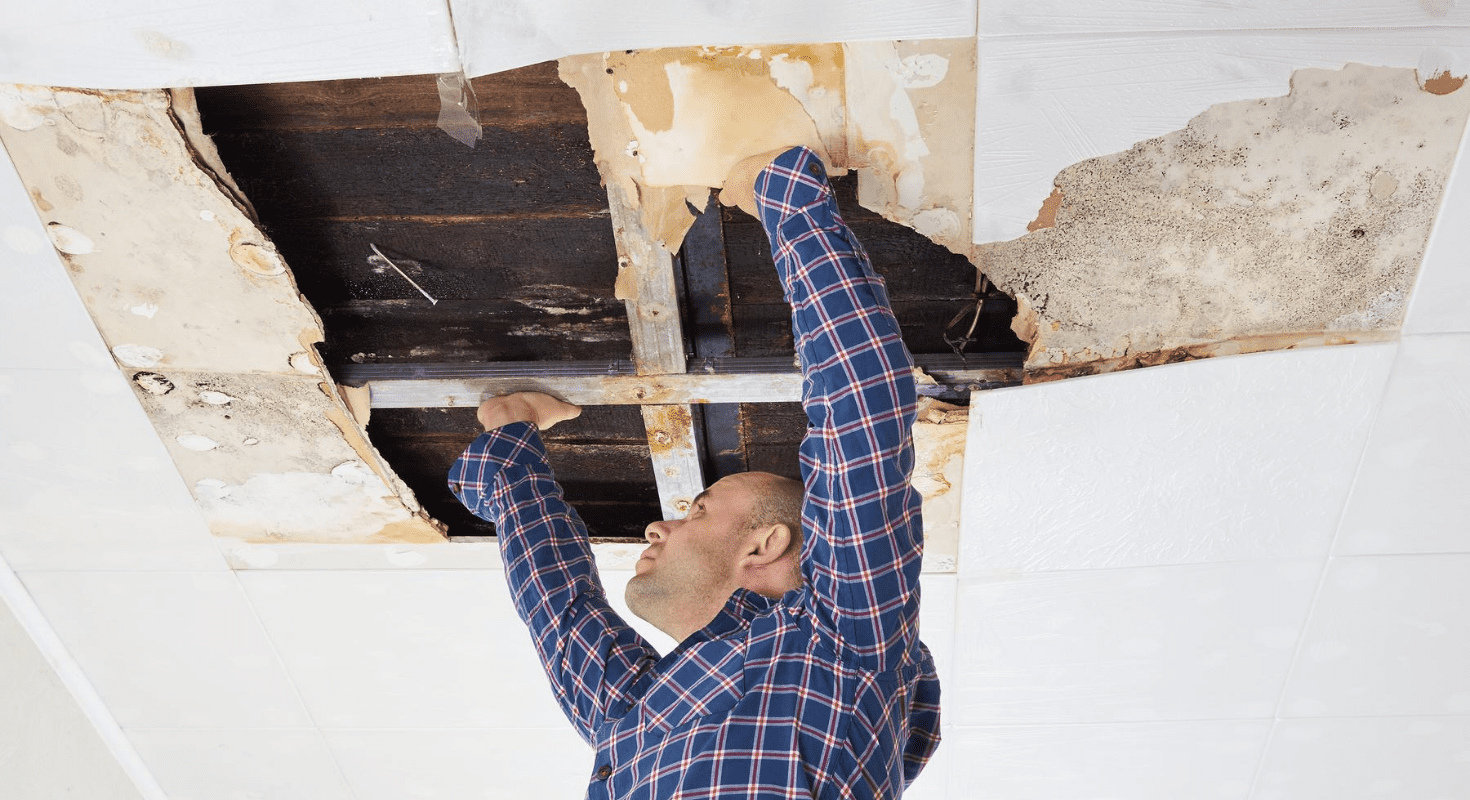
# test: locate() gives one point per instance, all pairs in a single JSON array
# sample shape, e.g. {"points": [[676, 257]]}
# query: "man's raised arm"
{"points": [[864, 535], [593, 659]]}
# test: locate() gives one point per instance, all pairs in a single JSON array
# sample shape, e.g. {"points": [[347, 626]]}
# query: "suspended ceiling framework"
{"points": [[1289, 221]]}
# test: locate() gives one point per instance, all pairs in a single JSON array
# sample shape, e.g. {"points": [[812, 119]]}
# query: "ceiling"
{"points": [[513, 241]]}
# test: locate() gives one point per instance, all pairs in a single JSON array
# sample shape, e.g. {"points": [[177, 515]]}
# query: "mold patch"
{"points": [[1263, 224]]}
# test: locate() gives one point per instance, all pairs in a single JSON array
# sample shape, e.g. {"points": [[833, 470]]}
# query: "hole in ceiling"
{"points": [[513, 242]]}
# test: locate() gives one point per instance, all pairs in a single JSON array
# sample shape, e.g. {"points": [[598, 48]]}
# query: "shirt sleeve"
{"points": [[863, 533], [596, 663]]}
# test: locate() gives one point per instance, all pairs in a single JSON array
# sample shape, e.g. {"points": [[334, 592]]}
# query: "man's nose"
{"points": [[656, 531]]}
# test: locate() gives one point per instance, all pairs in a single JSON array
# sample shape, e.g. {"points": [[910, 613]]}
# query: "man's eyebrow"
{"points": [[698, 498]]}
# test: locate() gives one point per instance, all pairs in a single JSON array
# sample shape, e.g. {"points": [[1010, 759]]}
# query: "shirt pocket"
{"points": [[703, 686]]}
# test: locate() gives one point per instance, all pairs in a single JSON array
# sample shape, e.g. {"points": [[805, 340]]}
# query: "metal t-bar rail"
{"points": [[714, 380]]}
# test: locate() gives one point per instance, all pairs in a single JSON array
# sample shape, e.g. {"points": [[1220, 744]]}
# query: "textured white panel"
{"points": [[149, 44], [169, 649], [309, 556], [422, 648], [1205, 641], [1410, 494], [1388, 636], [464, 764], [43, 324], [937, 610], [275, 764], [85, 482], [510, 33], [68, 744], [1045, 103], [1366, 759], [1123, 16], [1441, 299], [1147, 761], [1224, 459]]}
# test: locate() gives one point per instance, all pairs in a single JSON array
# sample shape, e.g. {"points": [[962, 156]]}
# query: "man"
{"points": [[799, 671]]}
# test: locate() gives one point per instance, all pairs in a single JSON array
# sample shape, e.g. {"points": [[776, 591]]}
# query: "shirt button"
{"points": [[603, 772], [454, 487], [815, 169]]}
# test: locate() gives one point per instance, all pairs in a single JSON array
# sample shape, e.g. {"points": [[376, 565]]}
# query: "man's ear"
{"points": [[766, 545]]}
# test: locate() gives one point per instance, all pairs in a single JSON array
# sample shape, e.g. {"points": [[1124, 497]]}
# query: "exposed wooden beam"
{"points": [[647, 285], [707, 282]]}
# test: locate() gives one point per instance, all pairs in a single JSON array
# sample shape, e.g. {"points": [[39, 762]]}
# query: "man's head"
{"points": [[742, 532]]}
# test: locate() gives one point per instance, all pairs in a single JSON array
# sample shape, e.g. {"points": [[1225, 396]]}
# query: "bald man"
{"points": [[799, 671]]}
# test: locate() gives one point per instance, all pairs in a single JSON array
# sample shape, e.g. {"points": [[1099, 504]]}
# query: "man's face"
{"points": [[691, 565]]}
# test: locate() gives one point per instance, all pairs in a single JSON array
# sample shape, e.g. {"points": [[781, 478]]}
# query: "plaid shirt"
{"points": [[824, 693]]}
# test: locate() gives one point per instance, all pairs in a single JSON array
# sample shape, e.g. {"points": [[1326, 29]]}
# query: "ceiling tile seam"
{"points": [[291, 678], [33, 621], [1459, 168], [1327, 559]]}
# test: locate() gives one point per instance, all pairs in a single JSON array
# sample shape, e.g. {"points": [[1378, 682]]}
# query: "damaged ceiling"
{"points": [[266, 298]]}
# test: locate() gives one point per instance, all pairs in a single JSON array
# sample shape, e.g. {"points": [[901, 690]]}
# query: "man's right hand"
{"points": [[739, 187], [537, 408]]}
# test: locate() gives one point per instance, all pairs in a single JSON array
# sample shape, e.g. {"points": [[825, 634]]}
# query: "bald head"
{"points": [[777, 501]]}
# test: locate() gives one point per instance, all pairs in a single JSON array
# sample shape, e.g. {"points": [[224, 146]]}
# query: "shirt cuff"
{"points": [[794, 180], [472, 475]]}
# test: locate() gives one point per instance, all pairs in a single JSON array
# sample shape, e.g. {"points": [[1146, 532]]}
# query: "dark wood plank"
{"points": [[913, 267], [407, 172], [555, 263], [527, 97], [610, 484], [377, 331], [596, 425], [764, 329]]}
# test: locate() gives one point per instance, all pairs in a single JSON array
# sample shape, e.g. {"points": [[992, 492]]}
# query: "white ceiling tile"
{"points": [[513, 33], [937, 607], [1121, 16], [1441, 299], [1388, 636], [1141, 761], [1225, 459], [417, 648], [86, 484], [215, 764], [1410, 493], [463, 764], [1205, 641], [146, 44], [1366, 759], [169, 649], [43, 324], [1047, 102]]}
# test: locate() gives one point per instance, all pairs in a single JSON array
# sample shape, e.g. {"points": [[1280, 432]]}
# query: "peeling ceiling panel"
{"points": [[1441, 299], [1048, 102], [1263, 224], [147, 44], [1004, 17], [202, 317], [514, 33]]}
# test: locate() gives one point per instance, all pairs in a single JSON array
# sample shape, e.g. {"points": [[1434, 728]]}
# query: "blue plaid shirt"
{"points": [[825, 693]]}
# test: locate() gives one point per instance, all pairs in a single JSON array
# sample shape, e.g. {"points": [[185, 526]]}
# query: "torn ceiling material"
{"points": [[203, 317], [1264, 224], [667, 123]]}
